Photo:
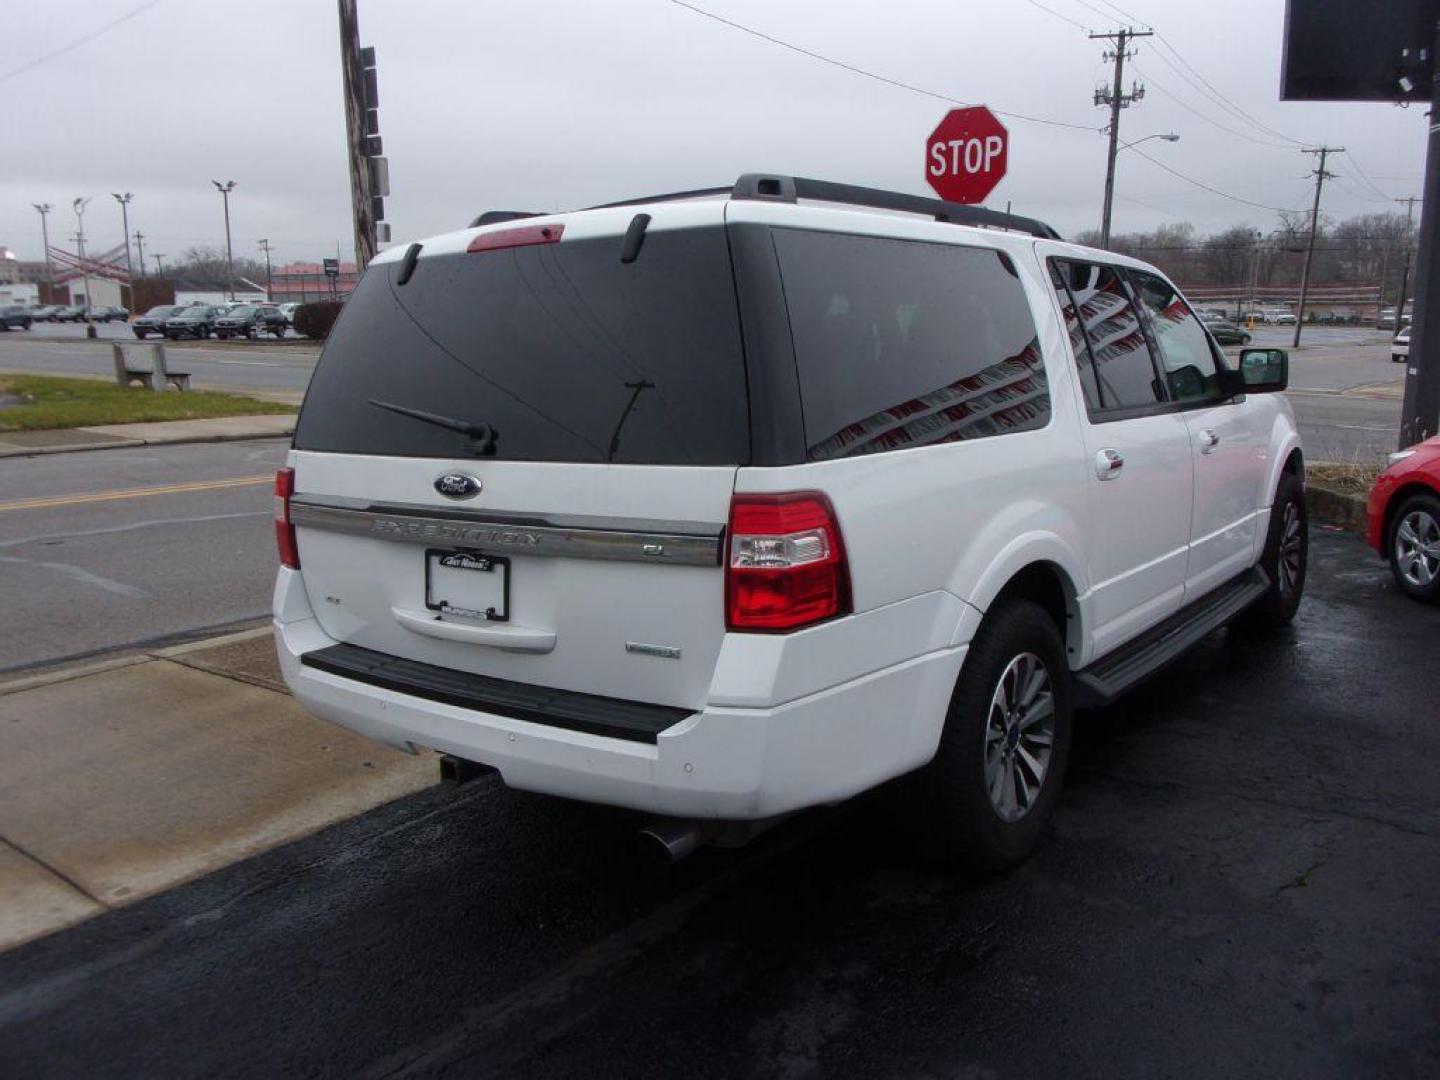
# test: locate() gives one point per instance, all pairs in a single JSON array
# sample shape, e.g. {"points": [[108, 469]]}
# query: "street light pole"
{"points": [[78, 205], [124, 201], [45, 209], [225, 190], [140, 250]]}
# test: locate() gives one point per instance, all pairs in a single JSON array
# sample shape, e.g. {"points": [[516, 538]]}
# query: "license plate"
{"points": [[466, 584]]}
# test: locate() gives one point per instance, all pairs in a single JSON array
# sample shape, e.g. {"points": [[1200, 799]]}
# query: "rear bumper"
{"points": [[725, 762]]}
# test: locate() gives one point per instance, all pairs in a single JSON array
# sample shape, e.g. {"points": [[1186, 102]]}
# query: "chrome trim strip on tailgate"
{"points": [[507, 532]]}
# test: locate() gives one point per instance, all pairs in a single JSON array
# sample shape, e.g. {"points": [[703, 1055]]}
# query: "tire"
{"points": [[139, 334], [250, 334], [1413, 547], [1394, 359], [950, 813], [1286, 557]]}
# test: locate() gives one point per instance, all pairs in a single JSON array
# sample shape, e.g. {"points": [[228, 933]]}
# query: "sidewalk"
{"points": [[105, 436], [124, 778]]}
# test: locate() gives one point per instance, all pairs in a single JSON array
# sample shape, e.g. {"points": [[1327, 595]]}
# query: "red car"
{"points": [[1403, 519]]}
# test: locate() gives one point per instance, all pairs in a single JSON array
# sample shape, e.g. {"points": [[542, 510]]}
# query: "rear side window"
{"points": [[567, 353], [901, 344], [1123, 372]]}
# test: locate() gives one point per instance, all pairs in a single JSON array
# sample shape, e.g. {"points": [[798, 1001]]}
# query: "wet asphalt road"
{"points": [[1243, 879]]}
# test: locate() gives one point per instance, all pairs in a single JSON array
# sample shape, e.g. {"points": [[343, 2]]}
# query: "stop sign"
{"points": [[965, 155]]}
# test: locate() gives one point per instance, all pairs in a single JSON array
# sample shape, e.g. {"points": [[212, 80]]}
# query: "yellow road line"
{"points": [[136, 493]]}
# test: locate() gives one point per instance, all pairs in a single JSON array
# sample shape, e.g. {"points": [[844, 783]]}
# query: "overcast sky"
{"points": [[544, 104]]}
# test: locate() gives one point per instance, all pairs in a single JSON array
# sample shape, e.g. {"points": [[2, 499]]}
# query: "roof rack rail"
{"points": [[766, 187], [769, 187]]}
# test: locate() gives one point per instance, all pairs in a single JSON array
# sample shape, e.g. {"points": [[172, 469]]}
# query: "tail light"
{"points": [[785, 563], [284, 530]]}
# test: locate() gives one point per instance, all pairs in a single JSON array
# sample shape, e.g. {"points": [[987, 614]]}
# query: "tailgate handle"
{"points": [[513, 638]]}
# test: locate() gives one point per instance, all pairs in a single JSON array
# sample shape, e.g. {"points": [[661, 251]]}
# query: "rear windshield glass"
{"points": [[565, 352], [902, 344]]}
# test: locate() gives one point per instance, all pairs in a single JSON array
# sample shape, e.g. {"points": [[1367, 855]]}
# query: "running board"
{"points": [[1115, 673]]}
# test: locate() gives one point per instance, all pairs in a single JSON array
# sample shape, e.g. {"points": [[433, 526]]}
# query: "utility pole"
{"points": [[45, 209], [1116, 100], [1320, 177], [1409, 201], [159, 264], [140, 250], [356, 132], [124, 201], [1420, 414], [225, 190], [265, 247], [1254, 272]]}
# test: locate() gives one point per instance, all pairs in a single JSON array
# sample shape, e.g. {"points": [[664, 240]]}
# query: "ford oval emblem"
{"points": [[458, 485]]}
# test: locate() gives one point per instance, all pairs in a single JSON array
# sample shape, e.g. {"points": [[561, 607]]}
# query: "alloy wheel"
{"points": [[1019, 736], [1291, 544], [1417, 548]]}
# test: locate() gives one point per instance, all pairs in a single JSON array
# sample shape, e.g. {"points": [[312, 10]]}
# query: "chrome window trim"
{"points": [[622, 539]]}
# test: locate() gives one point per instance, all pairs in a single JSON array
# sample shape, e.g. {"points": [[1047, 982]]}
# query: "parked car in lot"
{"points": [[153, 321], [109, 314], [724, 508], [1400, 346], [1284, 318], [250, 320], [1402, 519], [45, 313], [193, 321], [15, 317], [1227, 333], [73, 313]]}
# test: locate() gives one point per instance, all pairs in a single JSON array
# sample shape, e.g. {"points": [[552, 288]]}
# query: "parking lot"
{"points": [[1242, 880]]}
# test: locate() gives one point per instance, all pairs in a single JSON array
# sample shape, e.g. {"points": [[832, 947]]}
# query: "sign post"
{"points": [[966, 155]]}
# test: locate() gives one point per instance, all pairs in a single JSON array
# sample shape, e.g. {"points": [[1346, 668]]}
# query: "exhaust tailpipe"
{"points": [[675, 838], [679, 837]]}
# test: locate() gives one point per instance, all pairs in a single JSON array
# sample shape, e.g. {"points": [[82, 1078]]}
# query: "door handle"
{"points": [[1208, 441], [508, 637], [1108, 464]]}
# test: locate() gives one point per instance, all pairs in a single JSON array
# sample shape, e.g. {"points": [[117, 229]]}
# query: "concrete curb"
{"points": [[1331, 507], [75, 448]]}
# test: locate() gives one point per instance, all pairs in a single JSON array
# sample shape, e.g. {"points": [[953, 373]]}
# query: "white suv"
{"points": [[727, 504]]}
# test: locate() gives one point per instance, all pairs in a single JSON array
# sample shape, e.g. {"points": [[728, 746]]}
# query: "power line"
{"points": [[1150, 79], [83, 40], [1236, 109], [867, 74], [1361, 173], [1212, 190], [1063, 18]]}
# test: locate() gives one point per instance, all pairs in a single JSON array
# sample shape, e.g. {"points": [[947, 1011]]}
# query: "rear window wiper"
{"points": [[483, 434]]}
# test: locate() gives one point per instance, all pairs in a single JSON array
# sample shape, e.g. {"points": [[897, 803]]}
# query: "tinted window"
{"points": [[568, 353], [1124, 375], [1185, 351], [1079, 345], [901, 344]]}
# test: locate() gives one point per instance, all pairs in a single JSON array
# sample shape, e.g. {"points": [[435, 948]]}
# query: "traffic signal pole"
{"points": [[1420, 415]]}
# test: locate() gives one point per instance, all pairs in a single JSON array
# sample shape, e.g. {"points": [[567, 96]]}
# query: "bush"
{"points": [[314, 320]]}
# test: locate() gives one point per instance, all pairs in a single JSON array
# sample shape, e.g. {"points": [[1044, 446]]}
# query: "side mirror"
{"points": [[1265, 371]]}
